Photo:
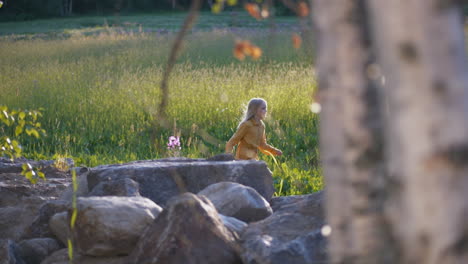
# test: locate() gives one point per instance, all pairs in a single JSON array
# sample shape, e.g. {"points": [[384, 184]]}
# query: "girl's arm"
{"points": [[240, 133], [268, 149]]}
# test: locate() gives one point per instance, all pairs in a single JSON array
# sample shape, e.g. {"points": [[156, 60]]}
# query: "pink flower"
{"points": [[173, 142]]}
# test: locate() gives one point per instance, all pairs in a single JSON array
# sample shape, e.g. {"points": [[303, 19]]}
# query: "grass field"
{"points": [[97, 81]]}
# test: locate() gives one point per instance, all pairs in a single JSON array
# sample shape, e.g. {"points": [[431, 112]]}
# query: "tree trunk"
{"points": [[422, 53], [398, 196], [351, 134]]}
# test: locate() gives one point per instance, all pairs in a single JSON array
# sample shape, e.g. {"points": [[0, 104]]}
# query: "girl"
{"points": [[250, 135]]}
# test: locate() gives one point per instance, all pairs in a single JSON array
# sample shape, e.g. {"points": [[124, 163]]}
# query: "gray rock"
{"points": [[121, 187], [162, 179], [50, 167], [59, 226], [239, 201], [40, 225], [8, 254], [291, 235], [188, 231], [235, 225], [15, 220], [82, 188], [279, 202], [111, 225], [34, 251]]}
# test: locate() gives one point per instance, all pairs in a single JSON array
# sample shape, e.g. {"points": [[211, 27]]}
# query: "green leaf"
{"points": [[35, 133], [41, 175], [21, 115], [18, 130]]}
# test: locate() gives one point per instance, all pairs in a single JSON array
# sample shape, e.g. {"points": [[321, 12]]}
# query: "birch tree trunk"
{"points": [[402, 199], [421, 50], [351, 134]]}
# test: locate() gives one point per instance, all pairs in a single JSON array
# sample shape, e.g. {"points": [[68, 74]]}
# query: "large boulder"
{"points": [[111, 225], [160, 180], [291, 235], [122, 187], [237, 200], [188, 231]]}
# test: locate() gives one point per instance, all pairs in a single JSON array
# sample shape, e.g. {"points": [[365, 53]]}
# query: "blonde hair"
{"points": [[251, 109]]}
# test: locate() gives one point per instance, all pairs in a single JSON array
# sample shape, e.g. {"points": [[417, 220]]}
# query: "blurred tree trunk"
{"points": [[351, 133], [395, 156]]}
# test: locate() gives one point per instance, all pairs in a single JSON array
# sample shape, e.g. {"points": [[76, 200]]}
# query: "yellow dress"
{"points": [[250, 137]]}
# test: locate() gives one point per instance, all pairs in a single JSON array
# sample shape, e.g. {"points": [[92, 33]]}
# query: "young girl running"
{"points": [[250, 134]]}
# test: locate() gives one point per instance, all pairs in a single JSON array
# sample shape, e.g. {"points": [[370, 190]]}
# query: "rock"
{"points": [[14, 188], [20, 200], [82, 190], [239, 201], [61, 257], [277, 203], [122, 187], [8, 253], [291, 235], [34, 251], [111, 225], [51, 168], [162, 179], [15, 220], [59, 226], [40, 225], [235, 225], [188, 231]]}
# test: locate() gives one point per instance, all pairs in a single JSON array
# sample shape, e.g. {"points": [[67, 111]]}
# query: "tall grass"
{"points": [[100, 93]]}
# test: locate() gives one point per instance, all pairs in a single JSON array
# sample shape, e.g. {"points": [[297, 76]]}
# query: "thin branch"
{"points": [[189, 20]]}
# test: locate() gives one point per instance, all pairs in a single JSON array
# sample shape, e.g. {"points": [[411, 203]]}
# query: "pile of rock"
{"points": [[161, 211]]}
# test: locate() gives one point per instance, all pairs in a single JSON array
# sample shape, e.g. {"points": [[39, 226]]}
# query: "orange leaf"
{"points": [[248, 48], [302, 9], [253, 10], [296, 40], [256, 52], [239, 50]]}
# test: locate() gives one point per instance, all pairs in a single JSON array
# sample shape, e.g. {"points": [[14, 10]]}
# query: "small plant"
{"points": [[173, 146], [294, 181], [13, 124]]}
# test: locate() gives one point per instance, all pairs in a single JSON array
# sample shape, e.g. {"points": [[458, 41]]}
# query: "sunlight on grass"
{"points": [[100, 93]]}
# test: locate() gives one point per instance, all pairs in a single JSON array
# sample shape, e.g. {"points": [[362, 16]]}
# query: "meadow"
{"points": [[97, 82]]}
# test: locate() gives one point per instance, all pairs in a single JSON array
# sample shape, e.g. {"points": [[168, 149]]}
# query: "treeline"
{"points": [[32, 9]]}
